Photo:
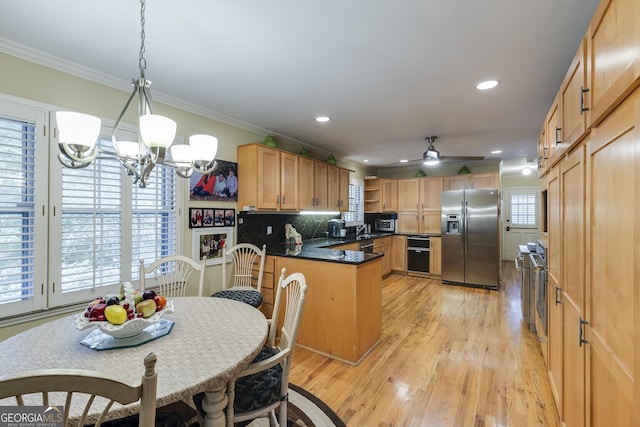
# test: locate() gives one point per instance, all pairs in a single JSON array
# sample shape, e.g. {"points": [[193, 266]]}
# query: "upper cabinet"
{"points": [[338, 188], [269, 178], [419, 205], [574, 95], [471, 181], [276, 180], [613, 41], [380, 195]]}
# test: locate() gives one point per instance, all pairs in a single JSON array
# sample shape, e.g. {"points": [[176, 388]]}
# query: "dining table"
{"points": [[210, 341]]}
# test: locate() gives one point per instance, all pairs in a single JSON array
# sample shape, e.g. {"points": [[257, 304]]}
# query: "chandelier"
{"points": [[78, 133]]}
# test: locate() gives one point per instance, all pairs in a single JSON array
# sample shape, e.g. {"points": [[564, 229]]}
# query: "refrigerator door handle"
{"points": [[465, 210]]}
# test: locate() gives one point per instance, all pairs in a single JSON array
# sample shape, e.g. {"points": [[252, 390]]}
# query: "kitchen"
{"points": [[563, 170]]}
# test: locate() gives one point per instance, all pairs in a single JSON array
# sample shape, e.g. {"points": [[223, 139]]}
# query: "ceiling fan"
{"points": [[433, 157]]}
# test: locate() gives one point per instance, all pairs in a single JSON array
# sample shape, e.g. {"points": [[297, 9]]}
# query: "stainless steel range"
{"points": [[527, 289], [539, 273]]}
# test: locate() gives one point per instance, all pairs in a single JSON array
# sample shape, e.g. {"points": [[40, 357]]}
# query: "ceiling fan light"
{"points": [[157, 131], [430, 162]]}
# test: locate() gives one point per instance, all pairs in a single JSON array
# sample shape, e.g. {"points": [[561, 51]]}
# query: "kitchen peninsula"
{"points": [[342, 314]]}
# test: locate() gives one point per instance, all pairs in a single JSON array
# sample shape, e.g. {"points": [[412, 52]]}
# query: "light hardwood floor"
{"points": [[448, 356]]}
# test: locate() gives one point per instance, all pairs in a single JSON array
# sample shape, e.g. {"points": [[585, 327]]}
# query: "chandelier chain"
{"points": [[142, 62]]}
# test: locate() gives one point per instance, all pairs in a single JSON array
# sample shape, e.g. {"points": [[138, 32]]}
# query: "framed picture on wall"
{"points": [[229, 217], [208, 243], [195, 217], [219, 218], [221, 185]]}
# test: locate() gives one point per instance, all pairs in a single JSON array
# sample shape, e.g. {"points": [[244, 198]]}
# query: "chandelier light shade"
{"points": [[79, 132]]}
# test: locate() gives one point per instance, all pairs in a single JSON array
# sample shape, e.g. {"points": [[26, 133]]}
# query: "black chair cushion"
{"points": [[260, 389], [254, 391], [253, 298]]}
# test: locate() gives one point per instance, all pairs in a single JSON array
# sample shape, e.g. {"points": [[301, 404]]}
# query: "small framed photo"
{"points": [[219, 218], [195, 217], [229, 217], [208, 243], [207, 217]]}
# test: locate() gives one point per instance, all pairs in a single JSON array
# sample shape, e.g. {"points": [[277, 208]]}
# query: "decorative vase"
{"points": [[420, 173], [304, 152], [331, 160], [464, 169], [270, 141]]}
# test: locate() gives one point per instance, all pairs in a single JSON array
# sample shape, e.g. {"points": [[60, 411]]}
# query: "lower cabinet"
{"points": [[399, 253], [435, 256], [382, 245]]}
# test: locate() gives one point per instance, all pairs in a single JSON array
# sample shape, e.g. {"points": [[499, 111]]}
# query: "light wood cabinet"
{"points": [[542, 152], [342, 316], [435, 256], [337, 188], [382, 245], [471, 181], [347, 247], [269, 178], [421, 205], [614, 58], [389, 195], [612, 276], [573, 99], [269, 283], [313, 186], [554, 145], [399, 253], [380, 195]]}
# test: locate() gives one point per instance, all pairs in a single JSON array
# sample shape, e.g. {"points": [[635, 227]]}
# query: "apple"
{"points": [[148, 294], [97, 310], [146, 307]]}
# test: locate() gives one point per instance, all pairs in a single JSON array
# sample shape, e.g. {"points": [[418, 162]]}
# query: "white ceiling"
{"points": [[388, 73]]}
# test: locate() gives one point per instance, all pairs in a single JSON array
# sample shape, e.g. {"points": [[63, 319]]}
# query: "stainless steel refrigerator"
{"points": [[470, 249]]}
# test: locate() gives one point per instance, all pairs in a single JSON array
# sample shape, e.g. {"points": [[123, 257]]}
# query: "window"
{"points": [[355, 215], [70, 235], [523, 209]]}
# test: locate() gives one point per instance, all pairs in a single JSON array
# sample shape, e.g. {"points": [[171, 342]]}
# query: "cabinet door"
{"points": [[306, 196], [455, 182], [542, 152], [431, 193], [573, 93], [431, 222], [372, 195], [408, 222], [333, 187], [614, 62], [288, 181], [613, 282], [320, 172], [344, 189], [268, 178], [553, 130], [435, 256], [399, 253], [408, 190], [483, 181], [389, 195]]}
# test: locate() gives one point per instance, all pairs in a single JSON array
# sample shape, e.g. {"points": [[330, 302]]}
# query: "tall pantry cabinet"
{"points": [[592, 184]]}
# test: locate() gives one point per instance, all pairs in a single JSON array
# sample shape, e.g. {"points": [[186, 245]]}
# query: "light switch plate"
{"points": [[269, 230]]}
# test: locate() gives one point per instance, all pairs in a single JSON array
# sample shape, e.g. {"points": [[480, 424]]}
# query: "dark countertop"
{"points": [[320, 250]]}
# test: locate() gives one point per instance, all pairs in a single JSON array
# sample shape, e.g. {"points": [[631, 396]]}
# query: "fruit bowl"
{"points": [[129, 328]]}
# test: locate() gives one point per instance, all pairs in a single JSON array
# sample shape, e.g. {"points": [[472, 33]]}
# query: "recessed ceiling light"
{"points": [[489, 84], [526, 171], [322, 119], [404, 161], [366, 160], [496, 152]]}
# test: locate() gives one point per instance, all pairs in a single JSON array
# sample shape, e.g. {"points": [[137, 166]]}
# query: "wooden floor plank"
{"points": [[448, 356]]}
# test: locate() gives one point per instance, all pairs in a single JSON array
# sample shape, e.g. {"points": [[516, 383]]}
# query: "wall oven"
{"points": [[418, 251]]}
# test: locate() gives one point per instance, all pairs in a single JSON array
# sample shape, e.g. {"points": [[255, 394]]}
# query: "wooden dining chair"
{"points": [[262, 388], [84, 388], [245, 287], [171, 274]]}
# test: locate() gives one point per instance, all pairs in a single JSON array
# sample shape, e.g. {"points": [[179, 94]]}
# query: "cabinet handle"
{"points": [[557, 300], [545, 153], [558, 130], [277, 199], [284, 200], [582, 340], [582, 107]]}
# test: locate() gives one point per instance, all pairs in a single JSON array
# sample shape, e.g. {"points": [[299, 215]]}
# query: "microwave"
{"points": [[385, 225]]}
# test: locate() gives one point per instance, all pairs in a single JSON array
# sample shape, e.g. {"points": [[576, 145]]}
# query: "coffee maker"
{"points": [[336, 228]]}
